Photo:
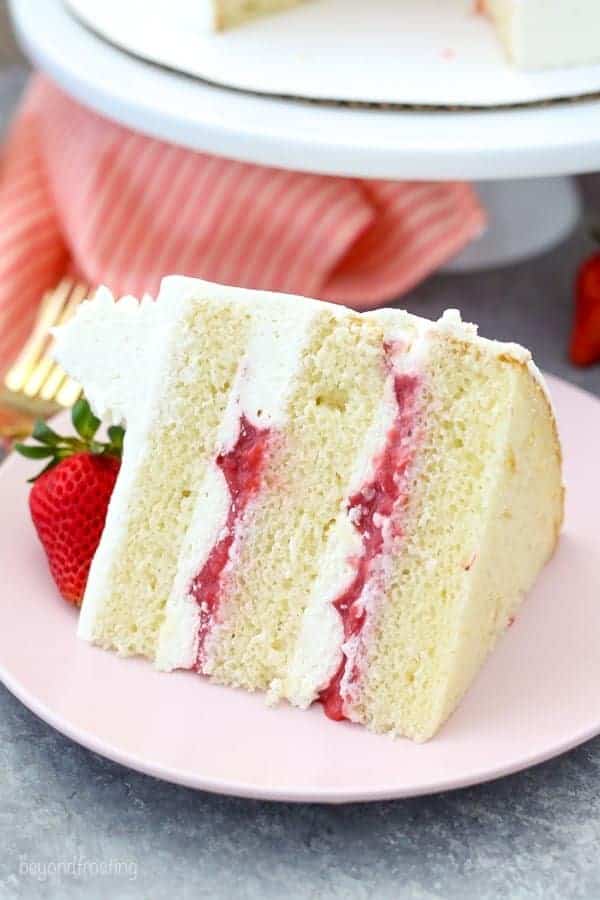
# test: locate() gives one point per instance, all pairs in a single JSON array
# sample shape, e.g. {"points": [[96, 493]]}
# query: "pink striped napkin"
{"points": [[80, 192]]}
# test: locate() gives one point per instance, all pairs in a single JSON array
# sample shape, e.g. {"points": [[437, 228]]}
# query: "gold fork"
{"points": [[35, 386]]}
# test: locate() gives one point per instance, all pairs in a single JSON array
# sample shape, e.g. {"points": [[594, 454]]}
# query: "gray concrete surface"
{"points": [[535, 834]]}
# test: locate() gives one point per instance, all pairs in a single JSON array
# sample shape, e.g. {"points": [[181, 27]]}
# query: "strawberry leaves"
{"points": [[84, 421], [33, 452], [55, 447]]}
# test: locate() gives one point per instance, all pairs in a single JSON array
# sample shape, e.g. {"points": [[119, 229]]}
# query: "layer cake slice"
{"points": [[315, 503]]}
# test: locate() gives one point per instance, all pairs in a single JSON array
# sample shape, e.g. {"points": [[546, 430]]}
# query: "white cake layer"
{"points": [[265, 376]]}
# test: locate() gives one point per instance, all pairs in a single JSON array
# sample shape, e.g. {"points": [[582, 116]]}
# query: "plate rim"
{"points": [[247, 791]]}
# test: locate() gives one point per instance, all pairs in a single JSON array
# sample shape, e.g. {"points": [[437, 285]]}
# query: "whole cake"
{"points": [[535, 33], [315, 503]]}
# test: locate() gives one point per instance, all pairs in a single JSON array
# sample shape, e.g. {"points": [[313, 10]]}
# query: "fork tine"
{"points": [[80, 292], [45, 363], [49, 309], [37, 376], [69, 393], [51, 385]]}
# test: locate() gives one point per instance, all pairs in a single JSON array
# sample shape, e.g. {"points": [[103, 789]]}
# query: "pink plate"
{"points": [[538, 695]]}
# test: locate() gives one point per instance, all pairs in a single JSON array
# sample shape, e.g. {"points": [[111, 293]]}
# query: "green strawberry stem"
{"points": [[55, 447]]}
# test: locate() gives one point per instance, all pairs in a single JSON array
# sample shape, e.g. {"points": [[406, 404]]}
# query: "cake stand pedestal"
{"points": [[525, 217], [517, 157]]}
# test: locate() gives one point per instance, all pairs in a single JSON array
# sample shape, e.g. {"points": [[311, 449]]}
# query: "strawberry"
{"points": [[69, 498], [585, 338]]}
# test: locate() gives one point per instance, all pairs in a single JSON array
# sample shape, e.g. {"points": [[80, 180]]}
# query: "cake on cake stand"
{"points": [[520, 158]]}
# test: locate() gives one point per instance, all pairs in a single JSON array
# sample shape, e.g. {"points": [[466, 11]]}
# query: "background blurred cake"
{"points": [[535, 33]]}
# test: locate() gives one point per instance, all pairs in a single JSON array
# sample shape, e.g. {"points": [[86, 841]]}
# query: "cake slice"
{"points": [[535, 33], [315, 503]]}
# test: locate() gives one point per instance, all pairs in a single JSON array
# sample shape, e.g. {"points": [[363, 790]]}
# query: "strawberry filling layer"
{"points": [[242, 467], [371, 510]]}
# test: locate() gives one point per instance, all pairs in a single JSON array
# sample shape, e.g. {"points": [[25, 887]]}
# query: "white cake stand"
{"points": [[518, 157]]}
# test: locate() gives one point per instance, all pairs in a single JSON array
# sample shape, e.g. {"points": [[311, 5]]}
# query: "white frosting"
{"points": [[107, 347], [204, 14], [278, 335], [120, 352], [193, 16], [319, 646], [178, 640]]}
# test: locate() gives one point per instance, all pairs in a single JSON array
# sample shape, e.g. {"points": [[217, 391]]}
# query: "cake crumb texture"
{"points": [[486, 508]]}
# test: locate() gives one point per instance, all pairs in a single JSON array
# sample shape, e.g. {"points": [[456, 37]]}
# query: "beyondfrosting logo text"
{"points": [[77, 868]]}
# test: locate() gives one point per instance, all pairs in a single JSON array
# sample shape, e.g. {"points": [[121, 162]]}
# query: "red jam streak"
{"points": [[242, 467], [370, 508]]}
